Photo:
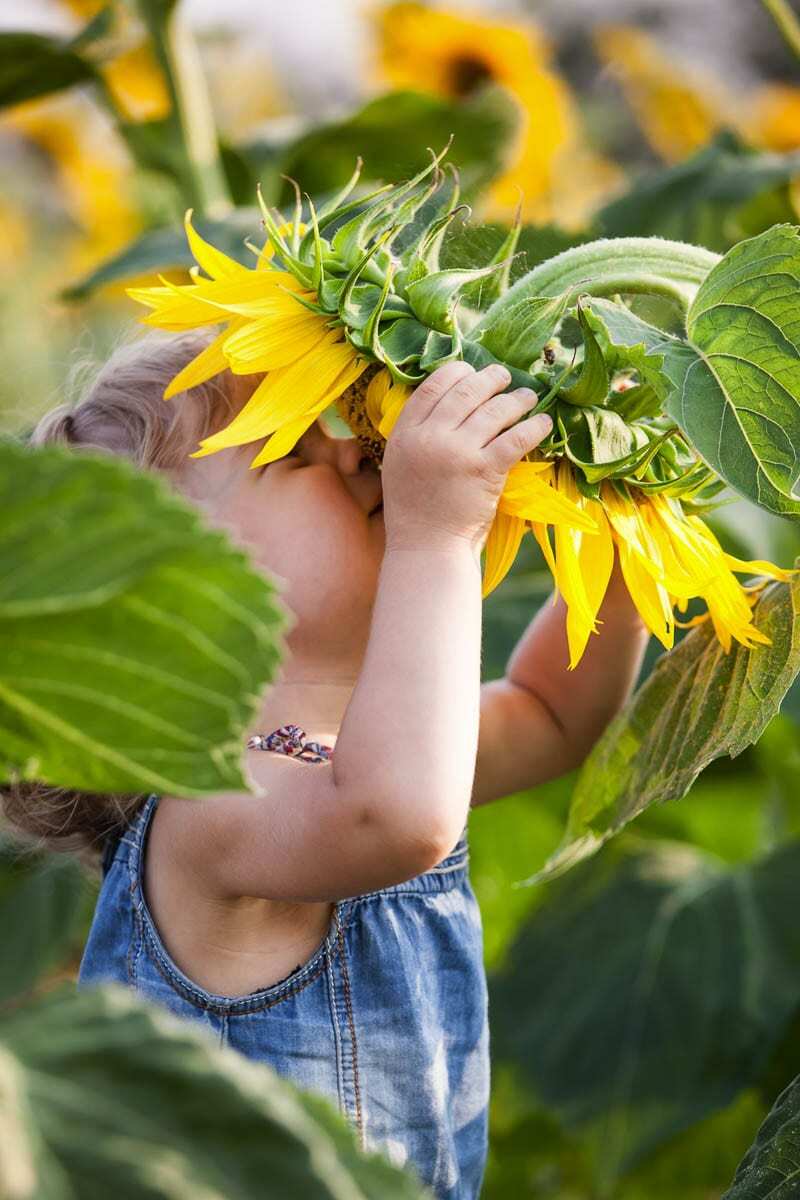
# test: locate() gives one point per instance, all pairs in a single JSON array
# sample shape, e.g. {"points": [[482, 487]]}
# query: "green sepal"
{"points": [[350, 241], [599, 441], [434, 298], [425, 260], [328, 216], [590, 490], [693, 479], [479, 356], [302, 271], [635, 403], [402, 341], [592, 386], [319, 269], [439, 349], [498, 285], [330, 293], [357, 303], [521, 332]]}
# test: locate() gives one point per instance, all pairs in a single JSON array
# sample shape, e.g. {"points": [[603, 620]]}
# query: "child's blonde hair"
{"points": [[121, 411]]}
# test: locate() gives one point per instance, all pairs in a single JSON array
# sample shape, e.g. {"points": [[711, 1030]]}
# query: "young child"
{"points": [[327, 925]]}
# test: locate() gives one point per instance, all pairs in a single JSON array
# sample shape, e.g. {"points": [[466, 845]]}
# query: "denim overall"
{"points": [[388, 1017]]}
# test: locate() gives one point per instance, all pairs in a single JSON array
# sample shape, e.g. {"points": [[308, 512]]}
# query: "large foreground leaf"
{"points": [[740, 404], [771, 1168], [107, 1095], [135, 641], [698, 704], [648, 989]]}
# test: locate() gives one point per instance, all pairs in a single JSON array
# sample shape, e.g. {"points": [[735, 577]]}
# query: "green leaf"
{"points": [[163, 249], [128, 1099], [33, 65], [741, 404], [723, 193], [136, 641], [392, 132], [520, 334], [601, 442], [41, 914], [769, 1170], [647, 991], [593, 382], [698, 704], [630, 342], [434, 297]]}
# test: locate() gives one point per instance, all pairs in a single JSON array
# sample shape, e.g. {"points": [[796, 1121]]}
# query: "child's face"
{"points": [[309, 518]]}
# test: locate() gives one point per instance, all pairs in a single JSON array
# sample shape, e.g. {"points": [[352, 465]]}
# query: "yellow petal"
{"points": [[540, 502], [377, 389], [757, 566], [393, 403], [206, 365], [272, 342], [213, 261], [571, 582], [651, 598], [501, 549], [290, 392], [541, 533], [287, 437]]}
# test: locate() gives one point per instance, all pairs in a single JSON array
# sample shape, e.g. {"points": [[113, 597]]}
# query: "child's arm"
{"points": [[396, 795], [541, 719]]}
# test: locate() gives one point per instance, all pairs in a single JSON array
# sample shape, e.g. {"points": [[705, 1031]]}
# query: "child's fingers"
{"points": [[509, 447], [497, 413], [464, 396], [427, 395]]}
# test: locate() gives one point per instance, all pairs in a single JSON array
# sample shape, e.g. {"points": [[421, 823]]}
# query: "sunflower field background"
{"points": [[640, 915]]}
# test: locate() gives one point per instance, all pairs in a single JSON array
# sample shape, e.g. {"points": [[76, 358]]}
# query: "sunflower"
{"points": [[330, 313], [679, 111], [452, 54]]}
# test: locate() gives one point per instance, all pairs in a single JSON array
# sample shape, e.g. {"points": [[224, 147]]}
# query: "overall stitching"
{"points": [[337, 1037], [348, 1004]]}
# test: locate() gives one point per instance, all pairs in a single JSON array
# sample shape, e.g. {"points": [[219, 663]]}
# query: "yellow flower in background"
{"points": [[132, 75], [17, 234], [451, 54], [92, 170], [667, 557], [306, 361], [678, 111], [775, 121]]}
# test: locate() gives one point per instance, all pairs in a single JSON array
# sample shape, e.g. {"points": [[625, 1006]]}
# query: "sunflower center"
{"points": [[352, 408], [467, 73]]}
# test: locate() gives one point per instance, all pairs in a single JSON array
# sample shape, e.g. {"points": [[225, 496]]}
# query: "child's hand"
{"points": [[447, 458]]}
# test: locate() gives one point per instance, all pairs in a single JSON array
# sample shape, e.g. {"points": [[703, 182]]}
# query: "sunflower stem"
{"points": [[642, 266], [192, 117]]}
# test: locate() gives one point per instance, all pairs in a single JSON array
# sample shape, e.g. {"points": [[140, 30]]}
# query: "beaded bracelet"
{"points": [[291, 740]]}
